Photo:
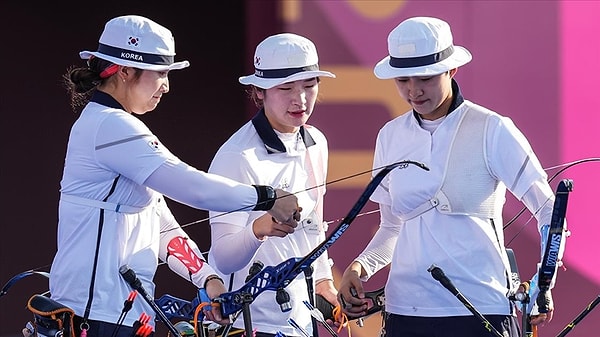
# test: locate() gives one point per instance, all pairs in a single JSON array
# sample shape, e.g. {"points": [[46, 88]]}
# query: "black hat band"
{"points": [[283, 73], [411, 62], [129, 55]]}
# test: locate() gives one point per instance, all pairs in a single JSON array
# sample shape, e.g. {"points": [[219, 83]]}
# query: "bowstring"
{"points": [[562, 168], [195, 222]]}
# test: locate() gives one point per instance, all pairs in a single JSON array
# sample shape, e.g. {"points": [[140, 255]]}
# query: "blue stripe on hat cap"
{"points": [[127, 54]]}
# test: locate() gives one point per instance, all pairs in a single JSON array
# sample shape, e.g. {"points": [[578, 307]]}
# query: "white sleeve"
{"points": [[380, 249], [516, 164], [539, 200], [187, 185], [225, 235]]}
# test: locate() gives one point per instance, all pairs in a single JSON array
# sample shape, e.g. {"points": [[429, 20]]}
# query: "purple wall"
{"points": [[533, 61]]}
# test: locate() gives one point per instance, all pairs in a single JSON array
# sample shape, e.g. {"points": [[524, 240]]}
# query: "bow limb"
{"points": [[354, 212], [20, 276]]}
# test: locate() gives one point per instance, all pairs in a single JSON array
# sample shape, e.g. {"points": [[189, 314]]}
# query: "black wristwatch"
{"points": [[266, 197]]}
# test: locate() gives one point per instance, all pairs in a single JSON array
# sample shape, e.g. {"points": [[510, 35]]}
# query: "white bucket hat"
{"points": [[138, 42], [421, 46], [283, 58]]}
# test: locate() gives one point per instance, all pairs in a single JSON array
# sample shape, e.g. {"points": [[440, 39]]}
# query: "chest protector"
{"points": [[467, 188]]}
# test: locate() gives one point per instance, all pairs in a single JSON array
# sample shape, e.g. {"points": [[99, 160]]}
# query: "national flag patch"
{"points": [[154, 144], [133, 41]]}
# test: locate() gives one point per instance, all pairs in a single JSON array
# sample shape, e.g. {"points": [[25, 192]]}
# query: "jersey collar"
{"points": [[105, 99], [457, 100]]}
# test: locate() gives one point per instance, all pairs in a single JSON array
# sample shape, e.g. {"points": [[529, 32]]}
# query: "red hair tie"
{"points": [[109, 71]]}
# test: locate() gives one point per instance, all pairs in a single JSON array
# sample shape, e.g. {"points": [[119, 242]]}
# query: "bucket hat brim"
{"points": [[384, 70], [85, 55]]}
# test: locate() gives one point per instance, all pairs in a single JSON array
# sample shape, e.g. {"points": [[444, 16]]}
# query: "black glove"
{"points": [[544, 301], [324, 306]]}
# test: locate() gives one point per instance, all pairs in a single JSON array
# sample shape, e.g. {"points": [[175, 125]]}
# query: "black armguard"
{"points": [[266, 197]]}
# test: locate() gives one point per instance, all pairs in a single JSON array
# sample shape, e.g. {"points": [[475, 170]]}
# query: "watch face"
{"points": [[271, 194]]}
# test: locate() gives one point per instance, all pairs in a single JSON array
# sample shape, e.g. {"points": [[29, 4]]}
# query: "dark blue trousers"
{"points": [[457, 326]]}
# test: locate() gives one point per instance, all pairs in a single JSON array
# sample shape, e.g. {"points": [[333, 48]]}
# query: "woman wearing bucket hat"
{"points": [[112, 214], [451, 215], [277, 147]]}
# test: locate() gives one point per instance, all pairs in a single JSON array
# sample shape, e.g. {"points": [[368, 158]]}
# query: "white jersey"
{"points": [[109, 219], [256, 154], [467, 246]]}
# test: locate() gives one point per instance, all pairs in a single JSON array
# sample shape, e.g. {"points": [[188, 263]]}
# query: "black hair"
{"points": [[80, 81]]}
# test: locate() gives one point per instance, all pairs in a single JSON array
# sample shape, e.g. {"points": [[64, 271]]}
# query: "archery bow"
{"points": [[539, 286], [277, 277]]}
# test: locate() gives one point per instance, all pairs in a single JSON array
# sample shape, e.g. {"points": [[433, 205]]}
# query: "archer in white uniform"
{"points": [[112, 213], [277, 148], [451, 215]]}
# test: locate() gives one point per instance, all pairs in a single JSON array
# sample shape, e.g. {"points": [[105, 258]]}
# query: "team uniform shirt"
{"points": [[295, 162], [110, 156], [464, 234]]}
